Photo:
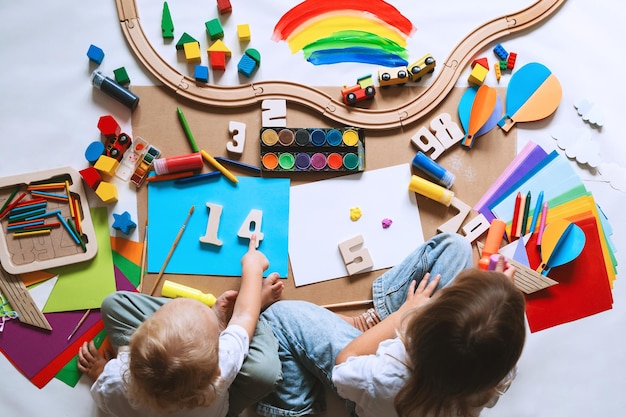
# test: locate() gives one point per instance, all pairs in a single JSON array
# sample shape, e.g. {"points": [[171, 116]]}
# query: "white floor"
{"points": [[48, 115]]}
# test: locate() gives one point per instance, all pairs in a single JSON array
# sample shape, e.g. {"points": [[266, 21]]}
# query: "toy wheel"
{"points": [[114, 153], [402, 74], [415, 70], [385, 76], [351, 98], [123, 139], [370, 91], [430, 60]]}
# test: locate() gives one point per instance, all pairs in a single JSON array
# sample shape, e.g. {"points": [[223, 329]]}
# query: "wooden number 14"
{"points": [[251, 225]]}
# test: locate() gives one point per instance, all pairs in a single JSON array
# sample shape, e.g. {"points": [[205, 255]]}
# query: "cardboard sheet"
{"points": [[475, 169]]}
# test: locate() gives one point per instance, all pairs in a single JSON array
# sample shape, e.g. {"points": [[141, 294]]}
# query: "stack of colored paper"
{"points": [[585, 283]]}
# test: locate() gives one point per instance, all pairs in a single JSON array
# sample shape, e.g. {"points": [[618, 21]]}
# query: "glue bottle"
{"points": [[174, 290]]}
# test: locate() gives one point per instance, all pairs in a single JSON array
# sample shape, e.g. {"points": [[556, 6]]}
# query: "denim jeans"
{"points": [[310, 337], [123, 311]]}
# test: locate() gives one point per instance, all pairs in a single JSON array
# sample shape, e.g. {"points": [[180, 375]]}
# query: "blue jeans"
{"points": [[310, 337], [123, 312]]}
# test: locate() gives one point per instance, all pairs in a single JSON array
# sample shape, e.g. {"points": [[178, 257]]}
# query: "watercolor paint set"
{"points": [[312, 149]]}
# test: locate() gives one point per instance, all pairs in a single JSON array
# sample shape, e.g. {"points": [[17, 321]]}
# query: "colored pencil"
{"points": [[80, 322], [218, 166], [198, 177], [143, 256], [536, 212], [167, 177], [169, 255], [239, 164], [518, 201], [520, 216], [8, 200], [525, 215], [348, 304], [542, 225], [188, 134]]}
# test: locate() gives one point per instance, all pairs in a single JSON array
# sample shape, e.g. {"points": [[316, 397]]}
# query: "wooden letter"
{"points": [[448, 132], [476, 227]]}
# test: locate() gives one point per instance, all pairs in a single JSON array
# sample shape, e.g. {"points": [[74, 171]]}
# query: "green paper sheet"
{"points": [[84, 285]]}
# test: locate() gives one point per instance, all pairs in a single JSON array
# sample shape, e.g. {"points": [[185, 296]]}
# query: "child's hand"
{"points": [[419, 296], [90, 361], [254, 258], [506, 268]]}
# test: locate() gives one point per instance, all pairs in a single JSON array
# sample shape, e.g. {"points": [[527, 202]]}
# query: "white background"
{"points": [[49, 111]]}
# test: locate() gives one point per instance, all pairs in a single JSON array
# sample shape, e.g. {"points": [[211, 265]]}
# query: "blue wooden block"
{"points": [[95, 54], [246, 65], [202, 73], [123, 222]]}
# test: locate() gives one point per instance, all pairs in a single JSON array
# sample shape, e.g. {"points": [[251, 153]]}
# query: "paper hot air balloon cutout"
{"points": [[480, 108], [562, 242], [533, 93], [335, 31]]}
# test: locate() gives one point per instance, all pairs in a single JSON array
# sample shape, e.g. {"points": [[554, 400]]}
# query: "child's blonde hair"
{"points": [[173, 364], [461, 345]]}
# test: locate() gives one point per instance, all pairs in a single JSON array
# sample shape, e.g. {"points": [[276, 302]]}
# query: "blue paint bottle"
{"points": [[433, 170]]}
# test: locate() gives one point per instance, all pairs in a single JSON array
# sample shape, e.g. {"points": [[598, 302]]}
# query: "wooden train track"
{"points": [[379, 119]]}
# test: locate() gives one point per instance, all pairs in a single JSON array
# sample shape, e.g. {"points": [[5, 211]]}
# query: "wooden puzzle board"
{"points": [[27, 254], [476, 169]]}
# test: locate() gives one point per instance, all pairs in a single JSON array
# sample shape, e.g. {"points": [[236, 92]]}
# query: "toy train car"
{"points": [[363, 90], [401, 75]]}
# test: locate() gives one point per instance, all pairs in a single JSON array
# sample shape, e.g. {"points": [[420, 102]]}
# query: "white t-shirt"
{"points": [[109, 393], [372, 381]]}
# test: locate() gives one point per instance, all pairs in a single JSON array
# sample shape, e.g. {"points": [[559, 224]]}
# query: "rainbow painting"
{"points": [[335, 31]]}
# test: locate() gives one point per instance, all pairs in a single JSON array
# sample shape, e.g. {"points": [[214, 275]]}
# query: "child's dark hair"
{"points": [[461, 345]]}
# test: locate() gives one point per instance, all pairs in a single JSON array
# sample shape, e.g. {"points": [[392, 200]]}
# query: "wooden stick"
{"points": [[80, 322], [169, 255], [349, 304], [143, 256]]}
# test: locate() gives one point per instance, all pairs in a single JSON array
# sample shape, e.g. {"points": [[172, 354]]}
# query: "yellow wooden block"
{"points": [[478, 75], [243, 32], [107, 192], [106, 165], [219, 46], [192, 51]]}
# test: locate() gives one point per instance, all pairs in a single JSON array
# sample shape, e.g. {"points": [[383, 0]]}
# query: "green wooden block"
{"points": [[121, 76], [214, 28], [167, 26], [185, 38]]}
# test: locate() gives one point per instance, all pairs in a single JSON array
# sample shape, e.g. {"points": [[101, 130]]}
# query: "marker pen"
{"points": [[174, 290], [435, 171], [115, 90], [188, 162], [431, 190]]}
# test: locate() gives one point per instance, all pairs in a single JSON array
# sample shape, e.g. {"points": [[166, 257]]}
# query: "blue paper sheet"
{"points": [[169, 204]]}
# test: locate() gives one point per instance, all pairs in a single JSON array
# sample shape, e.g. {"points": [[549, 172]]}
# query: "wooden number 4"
{"points": [[251, 225]]}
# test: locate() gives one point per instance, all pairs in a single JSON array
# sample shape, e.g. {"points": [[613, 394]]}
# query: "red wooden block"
{"points": [[218, 60], [481, 61], [224, 6], [91, 176], [510, 62], [109, 127]]}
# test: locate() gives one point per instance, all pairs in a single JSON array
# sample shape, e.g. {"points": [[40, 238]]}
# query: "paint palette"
{"points": [[24, 247], [312, 149]]}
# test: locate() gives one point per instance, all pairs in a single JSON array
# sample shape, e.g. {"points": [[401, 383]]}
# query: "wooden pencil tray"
{"points": [[33, 253]]}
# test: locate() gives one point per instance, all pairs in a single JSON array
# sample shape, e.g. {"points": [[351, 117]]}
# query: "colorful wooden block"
{"points": [[106, 165], [500, 52], [497, 70], [91, 176], [217, 60], [121, 76], [109, 127], [510, 62], [107, 192], [243, 32], [481, 61], [192, 52], [94, 151], [167, 26], [201, 73], [123, 222], [95, 54], [214, 29], [224, 6], [185, 38], [249, 62], [478, 75]]}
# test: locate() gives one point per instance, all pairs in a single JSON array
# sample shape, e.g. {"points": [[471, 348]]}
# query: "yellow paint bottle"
{"points": [[431, 190], [174, 290]]}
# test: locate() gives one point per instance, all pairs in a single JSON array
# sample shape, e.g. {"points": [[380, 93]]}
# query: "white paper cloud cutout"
{"points": [[590, 112], [614, 175], [579, 145]]}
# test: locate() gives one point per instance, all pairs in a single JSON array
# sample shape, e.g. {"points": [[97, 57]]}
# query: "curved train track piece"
{"points": [[378, 119]]}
